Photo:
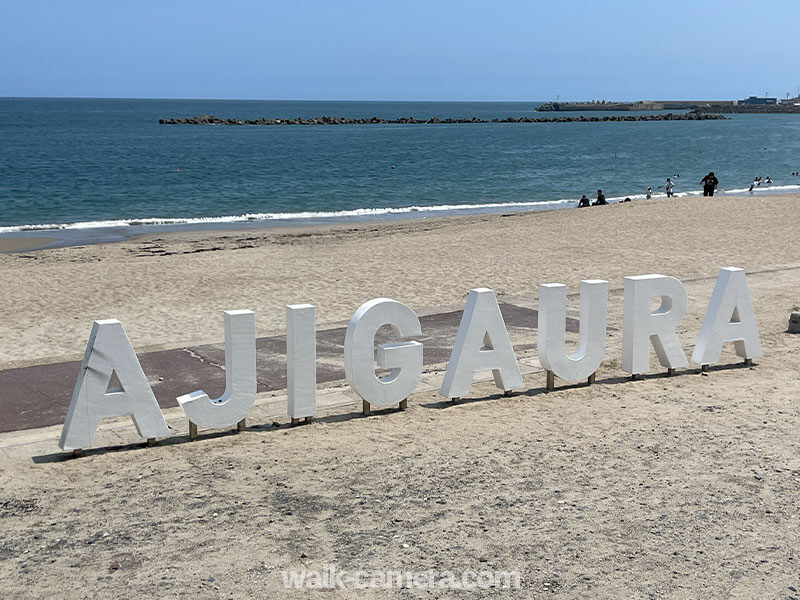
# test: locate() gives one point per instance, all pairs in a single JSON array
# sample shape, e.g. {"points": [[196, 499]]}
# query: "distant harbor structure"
{"points": [[751, 104], [755, 100], [604, 105]]}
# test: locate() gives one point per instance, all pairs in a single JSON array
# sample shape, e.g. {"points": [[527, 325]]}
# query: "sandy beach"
{"points": [[171, 289], [683, 487]]}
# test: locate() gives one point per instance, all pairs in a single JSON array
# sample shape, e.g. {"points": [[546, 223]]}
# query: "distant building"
{"points": [[647, 105], [758, 100], [791, 101]]}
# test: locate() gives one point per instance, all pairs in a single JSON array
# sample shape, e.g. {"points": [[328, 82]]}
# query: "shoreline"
{"points": [[82, 236], [32, 238]]}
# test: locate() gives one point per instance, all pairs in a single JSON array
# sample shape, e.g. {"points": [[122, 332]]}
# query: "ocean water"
{"points": [[108, 164]]}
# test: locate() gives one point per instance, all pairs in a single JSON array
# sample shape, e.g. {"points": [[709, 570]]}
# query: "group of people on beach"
{"points": [[669, 187], [709, 183], [601, 200], [758, 181]]}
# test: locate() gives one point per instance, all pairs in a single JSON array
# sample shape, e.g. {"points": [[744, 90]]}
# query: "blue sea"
{"points": [[106, 165]]}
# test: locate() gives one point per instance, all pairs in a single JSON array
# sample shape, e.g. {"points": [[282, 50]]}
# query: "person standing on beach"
{"points": [[669, 187], [710, 183], [649, 193]]}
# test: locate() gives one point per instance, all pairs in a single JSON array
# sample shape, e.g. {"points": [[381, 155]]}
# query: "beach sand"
{"points": [[170, 290], [22, 243], [678, 487]]}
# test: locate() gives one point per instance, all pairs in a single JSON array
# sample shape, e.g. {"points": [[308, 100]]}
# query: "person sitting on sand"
{"points": [[710, 183], [601, 199], [584, 201], [669, 187]]}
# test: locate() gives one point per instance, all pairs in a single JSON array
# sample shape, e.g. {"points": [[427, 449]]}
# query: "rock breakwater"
{"points": [[326, 120]]}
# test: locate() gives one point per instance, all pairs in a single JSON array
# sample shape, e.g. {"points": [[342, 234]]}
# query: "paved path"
{"points": [[38, 396]]}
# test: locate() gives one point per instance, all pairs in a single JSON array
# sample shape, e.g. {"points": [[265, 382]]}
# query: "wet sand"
{"points": [[20, 244]]}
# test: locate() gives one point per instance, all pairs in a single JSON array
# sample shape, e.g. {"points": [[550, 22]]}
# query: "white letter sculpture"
{"points": [[729, 318], [240, 377], [553, 324], [481, 344], [640, 327], [109, 351], [404, 359], [301, 361]]}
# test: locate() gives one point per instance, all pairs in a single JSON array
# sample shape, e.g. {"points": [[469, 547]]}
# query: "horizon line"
{"points": [[7, 97], [10, 97]]}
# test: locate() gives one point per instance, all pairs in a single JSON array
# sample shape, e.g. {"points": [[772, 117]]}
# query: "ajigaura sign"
{"points": [[481, 344]]}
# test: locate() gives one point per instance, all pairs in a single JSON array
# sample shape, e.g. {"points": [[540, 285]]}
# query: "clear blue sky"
{"points": [[400, 50]]}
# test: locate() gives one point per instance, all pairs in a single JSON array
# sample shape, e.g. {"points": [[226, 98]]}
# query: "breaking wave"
{"points": [[359, 212]]}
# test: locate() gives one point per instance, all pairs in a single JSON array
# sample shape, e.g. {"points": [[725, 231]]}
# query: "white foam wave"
{"points": [[358, 212], [762, 189]]}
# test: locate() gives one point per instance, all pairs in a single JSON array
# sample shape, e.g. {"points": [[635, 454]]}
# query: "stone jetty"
{"points": [[784, 108], [326, 120]]}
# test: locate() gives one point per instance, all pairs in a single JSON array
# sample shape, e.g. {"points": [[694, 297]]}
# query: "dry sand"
{"points": [[171, 290], [683, 487]]}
